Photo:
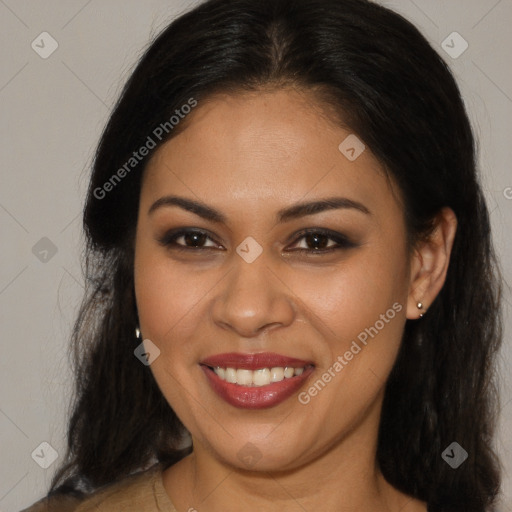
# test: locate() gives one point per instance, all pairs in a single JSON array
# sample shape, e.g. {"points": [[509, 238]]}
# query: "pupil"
{"points": [[194, 238], [315, 237]]}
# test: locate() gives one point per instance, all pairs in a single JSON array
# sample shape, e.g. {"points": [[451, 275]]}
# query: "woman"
{"points": [[289, 261]]}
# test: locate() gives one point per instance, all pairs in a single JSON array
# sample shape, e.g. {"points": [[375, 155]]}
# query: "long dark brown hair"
{"points": [[398, 95]]}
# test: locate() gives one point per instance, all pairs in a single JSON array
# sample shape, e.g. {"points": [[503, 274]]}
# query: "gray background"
{"points": [[53, 111]]}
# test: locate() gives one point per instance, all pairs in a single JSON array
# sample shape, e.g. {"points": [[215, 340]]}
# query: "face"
{"points": [[238, 274]]}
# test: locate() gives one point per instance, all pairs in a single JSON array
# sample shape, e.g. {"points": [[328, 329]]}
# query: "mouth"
{"points": [[255, 381]]}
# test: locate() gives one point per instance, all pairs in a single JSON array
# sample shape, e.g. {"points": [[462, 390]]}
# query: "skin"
{"points": [[248, 156]]}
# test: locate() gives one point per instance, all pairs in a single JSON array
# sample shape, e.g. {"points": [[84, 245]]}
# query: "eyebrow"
{"points": [[286, 214]]}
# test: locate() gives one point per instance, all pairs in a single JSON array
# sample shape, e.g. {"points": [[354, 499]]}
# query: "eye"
{"points": [[186, 239], [317, 241]]}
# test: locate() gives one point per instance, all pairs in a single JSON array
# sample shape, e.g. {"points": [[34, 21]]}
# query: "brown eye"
{"points": [[317, 241], [186, 239]]}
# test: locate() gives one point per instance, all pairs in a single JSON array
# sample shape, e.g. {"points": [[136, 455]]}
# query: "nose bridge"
{"points": [[252, 297]]}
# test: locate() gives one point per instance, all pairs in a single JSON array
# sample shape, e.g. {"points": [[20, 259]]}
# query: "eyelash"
{"points": [[169, 240]]}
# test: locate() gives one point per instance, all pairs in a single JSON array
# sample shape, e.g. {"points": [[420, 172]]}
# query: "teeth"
{"points": [[276, 374], [244, 377], [261, 377], [230, 375], [288, 372]]}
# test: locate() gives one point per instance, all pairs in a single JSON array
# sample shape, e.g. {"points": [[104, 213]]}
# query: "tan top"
{"points": [[141, 492]]}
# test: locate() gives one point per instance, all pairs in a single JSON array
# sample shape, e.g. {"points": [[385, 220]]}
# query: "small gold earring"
{"points": [[137, 333], [420, 306]]}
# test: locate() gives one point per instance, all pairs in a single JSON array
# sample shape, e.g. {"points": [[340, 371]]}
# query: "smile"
{"points": [[255, 381]]}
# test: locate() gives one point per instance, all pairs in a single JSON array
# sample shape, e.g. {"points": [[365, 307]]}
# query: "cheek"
{"points": [[354, 295], [168, 299], [360, 312]]}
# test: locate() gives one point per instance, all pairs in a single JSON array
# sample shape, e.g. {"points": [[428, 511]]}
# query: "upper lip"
{"points": [[253, 361]]}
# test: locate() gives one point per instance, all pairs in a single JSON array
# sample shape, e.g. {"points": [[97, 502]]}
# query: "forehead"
{"points": [[265, 147]]}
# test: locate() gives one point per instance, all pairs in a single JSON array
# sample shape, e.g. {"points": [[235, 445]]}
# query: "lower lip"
{"points": [[256, 397]]}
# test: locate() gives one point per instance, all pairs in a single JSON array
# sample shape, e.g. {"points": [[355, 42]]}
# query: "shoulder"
{"points": [[140, 492], [59, 503]]}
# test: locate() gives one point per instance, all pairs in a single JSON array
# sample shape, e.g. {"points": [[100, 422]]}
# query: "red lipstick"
{"points": [[255, 397]]}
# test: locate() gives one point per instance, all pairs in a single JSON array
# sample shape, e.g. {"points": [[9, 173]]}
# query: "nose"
{"points": [[252, 299]]}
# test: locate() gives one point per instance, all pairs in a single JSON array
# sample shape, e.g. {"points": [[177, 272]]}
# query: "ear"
{"points": [[429, 264]]}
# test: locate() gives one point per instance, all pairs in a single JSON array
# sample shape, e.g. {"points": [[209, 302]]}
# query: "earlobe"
{"points": [[429, 265]]}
